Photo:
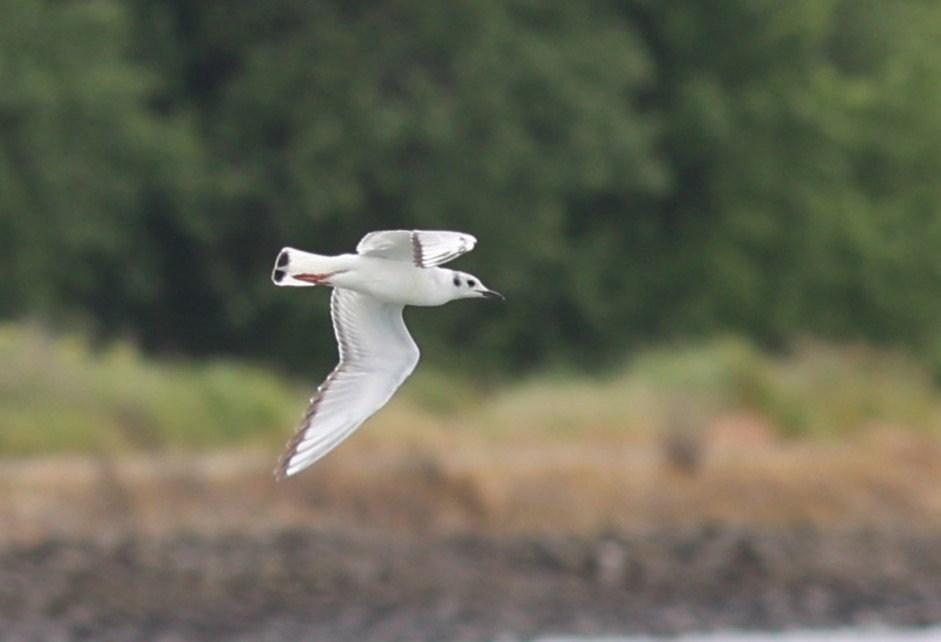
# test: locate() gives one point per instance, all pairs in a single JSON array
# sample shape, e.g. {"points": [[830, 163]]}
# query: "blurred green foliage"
{"points": [[61, 394], [636, 171], [58, 393]]}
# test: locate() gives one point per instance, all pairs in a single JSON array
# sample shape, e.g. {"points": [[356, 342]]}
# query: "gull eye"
{"points": [[457, 281], [471, 282]]}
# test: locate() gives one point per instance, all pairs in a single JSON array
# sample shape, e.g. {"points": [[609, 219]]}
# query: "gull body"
{"points": [[387, 280], [391, 269]]}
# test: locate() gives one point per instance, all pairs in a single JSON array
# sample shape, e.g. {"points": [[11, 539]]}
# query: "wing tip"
{"points": [[286, 467], [282, 469], [281, 473]]}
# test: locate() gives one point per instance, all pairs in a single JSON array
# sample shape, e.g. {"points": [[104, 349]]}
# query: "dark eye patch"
{"points": [[457, 281], [471, 282]]}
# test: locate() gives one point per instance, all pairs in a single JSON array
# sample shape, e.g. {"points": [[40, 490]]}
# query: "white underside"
{"points": [[392, 269]]}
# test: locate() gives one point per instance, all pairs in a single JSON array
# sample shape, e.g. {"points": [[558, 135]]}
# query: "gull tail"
{"points": [[300, 269]]}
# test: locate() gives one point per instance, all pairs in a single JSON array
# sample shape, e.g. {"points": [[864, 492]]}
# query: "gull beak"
{"points": [[492, 294]]}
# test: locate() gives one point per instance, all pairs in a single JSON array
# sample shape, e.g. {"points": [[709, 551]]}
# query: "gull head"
{"points": [[468, 286]]}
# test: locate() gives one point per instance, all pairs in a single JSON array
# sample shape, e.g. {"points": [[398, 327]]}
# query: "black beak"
{"points": [[492, 294]]}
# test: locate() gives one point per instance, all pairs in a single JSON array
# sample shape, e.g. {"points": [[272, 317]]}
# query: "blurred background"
{"points": [[716, 225]]}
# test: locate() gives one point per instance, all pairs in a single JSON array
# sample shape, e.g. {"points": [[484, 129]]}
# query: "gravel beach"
{"points": [[308, 585], [467, 549]]}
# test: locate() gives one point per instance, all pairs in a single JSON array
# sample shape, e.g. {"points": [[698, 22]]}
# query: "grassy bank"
{"points": [[690, 435], [59, 394]]}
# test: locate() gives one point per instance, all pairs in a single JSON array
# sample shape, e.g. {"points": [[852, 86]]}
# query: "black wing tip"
{"points": [[284, 461], [418, 252], [290, 449]]}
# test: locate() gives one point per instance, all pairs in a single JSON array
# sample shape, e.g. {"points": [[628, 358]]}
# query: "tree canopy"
{"points": [[636, 171]]}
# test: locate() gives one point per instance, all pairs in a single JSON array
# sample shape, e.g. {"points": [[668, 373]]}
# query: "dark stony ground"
{"points": [[358, 586]]}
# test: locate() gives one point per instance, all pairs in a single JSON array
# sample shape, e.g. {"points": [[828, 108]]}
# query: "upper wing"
{"points": [[421, 247], [376, 355]]}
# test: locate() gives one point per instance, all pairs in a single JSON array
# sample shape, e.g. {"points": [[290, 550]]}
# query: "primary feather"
{"points": [[376, 355], [423, 248]]}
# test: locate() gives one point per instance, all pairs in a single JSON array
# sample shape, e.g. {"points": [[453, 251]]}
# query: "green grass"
{"points": [[816, 390], [59, 394]]}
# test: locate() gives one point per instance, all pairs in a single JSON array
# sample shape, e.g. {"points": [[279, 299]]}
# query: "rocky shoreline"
{"points": [[369, 586]]}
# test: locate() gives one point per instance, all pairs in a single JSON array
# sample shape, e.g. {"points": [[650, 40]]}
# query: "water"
{"points": [[845, 635]]}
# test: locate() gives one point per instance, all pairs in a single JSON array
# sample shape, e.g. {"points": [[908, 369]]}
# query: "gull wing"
{"points": [[376, 355], [423, 248]]}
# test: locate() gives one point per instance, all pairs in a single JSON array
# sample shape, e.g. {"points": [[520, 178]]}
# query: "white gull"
{"points": [[391, 269]]}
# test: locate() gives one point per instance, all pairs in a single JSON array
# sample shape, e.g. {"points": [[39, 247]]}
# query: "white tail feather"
{"points": [[292, 263]]}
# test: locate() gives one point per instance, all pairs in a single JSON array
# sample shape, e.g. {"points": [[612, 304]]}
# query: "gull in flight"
{"points": [[391, 269]]}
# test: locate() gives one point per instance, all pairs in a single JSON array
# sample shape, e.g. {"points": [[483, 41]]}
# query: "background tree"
{"points": [[87, 168], [636, 171]]}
